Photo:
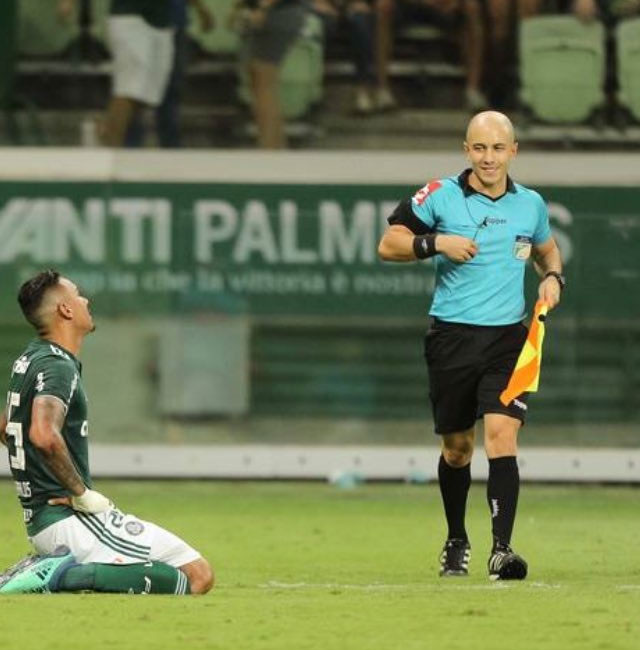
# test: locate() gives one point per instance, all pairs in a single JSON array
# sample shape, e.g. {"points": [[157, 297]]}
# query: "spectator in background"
{"points": [[141, 40], [500, 45], [269, 28], [451, 14], [167, 114], [384, 99], [360, 18]]}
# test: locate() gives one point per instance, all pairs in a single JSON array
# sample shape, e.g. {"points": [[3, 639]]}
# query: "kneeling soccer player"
{"points": [[82, 540]]}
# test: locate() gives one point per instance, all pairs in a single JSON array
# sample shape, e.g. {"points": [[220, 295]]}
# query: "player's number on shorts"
{"points": [[14, 430]]}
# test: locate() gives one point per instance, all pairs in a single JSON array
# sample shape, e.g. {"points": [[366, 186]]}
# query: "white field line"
{"points": [[628, 587], [376, 586]]}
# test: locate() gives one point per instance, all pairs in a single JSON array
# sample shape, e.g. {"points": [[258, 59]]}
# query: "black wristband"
{"points": [[424, 246], [558, 276]]}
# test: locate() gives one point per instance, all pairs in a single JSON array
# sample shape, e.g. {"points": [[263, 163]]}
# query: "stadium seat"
{"points": [[628, 60], [301, 74], [562, 67], [221, 40], [41, 32]]}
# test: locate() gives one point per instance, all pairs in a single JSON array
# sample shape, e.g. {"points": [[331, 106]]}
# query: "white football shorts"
{"points": [[142, 59], [113, 537]]}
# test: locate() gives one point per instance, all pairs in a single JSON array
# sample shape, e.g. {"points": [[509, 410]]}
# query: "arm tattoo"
{"points": [[48, 415]]}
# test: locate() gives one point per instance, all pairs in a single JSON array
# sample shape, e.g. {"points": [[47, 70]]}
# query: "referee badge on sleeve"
{"points": [[522, 247]]}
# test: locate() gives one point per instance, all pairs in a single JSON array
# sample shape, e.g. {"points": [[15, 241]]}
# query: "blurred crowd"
{"points": [[486, 31], [148, 48]]}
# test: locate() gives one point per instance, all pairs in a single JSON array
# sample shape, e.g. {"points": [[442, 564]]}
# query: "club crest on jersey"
{"points": [[134, 528], [421, 195], [20, 365]]}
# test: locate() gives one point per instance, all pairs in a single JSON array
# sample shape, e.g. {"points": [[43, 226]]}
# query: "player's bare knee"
{"points": [[201, 578]]}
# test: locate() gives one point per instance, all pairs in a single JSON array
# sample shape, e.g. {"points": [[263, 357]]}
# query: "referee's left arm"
{"points": [[548, 265]]}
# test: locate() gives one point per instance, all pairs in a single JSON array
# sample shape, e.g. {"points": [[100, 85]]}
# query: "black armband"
{"points": [[403, 215], [424, 246]]}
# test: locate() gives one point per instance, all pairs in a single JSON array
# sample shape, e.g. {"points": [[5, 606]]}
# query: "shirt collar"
{"points": [[463, 182]]}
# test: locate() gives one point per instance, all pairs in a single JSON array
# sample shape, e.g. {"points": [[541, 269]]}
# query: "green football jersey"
{"points": [[45, 369], [156, 12]]}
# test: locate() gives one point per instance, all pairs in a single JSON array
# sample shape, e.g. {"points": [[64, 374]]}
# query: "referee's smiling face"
{"points": [[490, 146]]}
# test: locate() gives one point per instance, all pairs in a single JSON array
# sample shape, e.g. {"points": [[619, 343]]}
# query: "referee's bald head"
{"points": [[492, 121]]}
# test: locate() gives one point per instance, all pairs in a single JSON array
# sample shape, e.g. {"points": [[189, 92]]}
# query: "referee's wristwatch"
{"points": [[558, 276]]}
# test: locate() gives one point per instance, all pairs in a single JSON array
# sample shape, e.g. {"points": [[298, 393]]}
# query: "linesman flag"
{"points": [[526, 374]]}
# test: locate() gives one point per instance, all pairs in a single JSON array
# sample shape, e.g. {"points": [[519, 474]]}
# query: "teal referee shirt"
{"points": [[488, 289]]}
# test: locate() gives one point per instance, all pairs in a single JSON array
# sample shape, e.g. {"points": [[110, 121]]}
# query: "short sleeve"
{"points": [[58, 378], [422, 204], [542, 230]]}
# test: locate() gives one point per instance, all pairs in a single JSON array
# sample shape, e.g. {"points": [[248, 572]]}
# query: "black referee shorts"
{"points": [[469, 366]]}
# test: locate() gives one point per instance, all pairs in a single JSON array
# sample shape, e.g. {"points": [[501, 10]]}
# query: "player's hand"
{"points": [[549, 291], [456, 248], [88, 501]]}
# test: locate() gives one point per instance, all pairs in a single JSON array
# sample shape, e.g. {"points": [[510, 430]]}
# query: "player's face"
{"points": [[490, 149], [79, 306]]}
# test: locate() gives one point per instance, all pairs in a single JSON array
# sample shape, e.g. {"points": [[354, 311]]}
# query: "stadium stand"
{"points": [[562, 68], [628, 65], [64, 71]]}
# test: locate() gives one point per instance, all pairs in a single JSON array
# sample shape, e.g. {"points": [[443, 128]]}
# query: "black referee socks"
{"points": [[502, 496], [454, 487]]}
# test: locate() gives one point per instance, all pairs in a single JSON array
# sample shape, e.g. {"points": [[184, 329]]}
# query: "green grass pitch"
{"points": [[309, 566]]}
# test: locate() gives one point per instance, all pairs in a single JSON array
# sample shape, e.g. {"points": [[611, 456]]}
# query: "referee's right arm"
{"points": [[408, 239]]}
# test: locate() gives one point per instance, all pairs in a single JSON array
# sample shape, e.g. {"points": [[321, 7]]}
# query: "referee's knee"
{"points": [[457, 448], [457, 457]]}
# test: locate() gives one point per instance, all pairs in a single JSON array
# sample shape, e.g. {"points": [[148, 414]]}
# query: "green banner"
{"points": [[278, 249]]}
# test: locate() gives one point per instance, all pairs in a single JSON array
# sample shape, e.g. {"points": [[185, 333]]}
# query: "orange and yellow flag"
{"points": [[526, 374]]}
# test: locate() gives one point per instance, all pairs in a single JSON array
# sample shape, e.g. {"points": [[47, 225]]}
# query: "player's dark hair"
{"points": [[32, 293]]}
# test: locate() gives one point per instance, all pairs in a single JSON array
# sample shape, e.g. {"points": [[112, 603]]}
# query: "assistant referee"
{"points": [[481, 228]]}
